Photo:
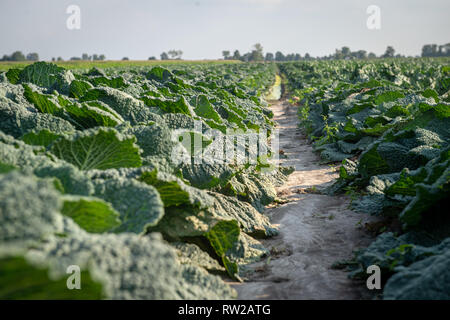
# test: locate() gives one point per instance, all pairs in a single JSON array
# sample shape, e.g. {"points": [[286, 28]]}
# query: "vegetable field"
{"points": [[88, 178], [118, 171], [389, 124]]}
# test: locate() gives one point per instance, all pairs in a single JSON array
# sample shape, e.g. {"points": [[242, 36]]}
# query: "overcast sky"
{"points": [[203, 28]]}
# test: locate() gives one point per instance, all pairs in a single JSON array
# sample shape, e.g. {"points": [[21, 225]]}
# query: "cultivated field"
{"points": [[154, 178], [80, 64]]}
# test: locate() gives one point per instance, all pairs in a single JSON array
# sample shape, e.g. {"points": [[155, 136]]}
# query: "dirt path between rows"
{"points": [[315, 230]]}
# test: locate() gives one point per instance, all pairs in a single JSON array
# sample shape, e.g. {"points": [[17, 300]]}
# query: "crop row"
{"points": [[388, 123], [114, 171]]}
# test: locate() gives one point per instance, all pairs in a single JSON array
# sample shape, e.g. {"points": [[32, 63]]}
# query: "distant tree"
{"points": [[236, 55], [17, 56], [360, 54], [258, 47], [290, 57], [372, 55], [226, 54], [152, 58], [125, 59], [307, 56], [101, 57], [164, 56], [60, 59], [269, 56], [426, 50], [433, 50], [175, 54], [53, 59], [279, 56], [246, 57], [389, 53], [75, 58], [298, 57], [257, 53], [338, 54], [95, 57], [172, 54], [346, 52], [33, 56], [446, 50], [85, 56]]}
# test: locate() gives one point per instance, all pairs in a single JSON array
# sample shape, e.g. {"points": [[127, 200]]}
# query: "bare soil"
{"points": [[316, 230]]}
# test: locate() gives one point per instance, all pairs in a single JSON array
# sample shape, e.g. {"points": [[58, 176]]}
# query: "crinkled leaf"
{"points": [[5, 167], [78, 88], [20, 280], [13, 75], [388, 96], [92, 214], [98, 149], [160, 74], [223, 237], [47, 75], [139, 204], [116, 83], [179, 105], [204, 109], [170, 191], [41, 101], [85, 116], [42, 138]]}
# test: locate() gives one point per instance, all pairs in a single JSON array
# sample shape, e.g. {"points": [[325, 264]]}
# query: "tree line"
{"points": [[434, 50], [169, 55], [85, 57], [256, 54], [19, 56], [33, 56]]}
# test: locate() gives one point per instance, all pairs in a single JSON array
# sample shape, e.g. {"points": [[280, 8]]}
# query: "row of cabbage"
{"points": [[90, 178], [388, 122]]}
